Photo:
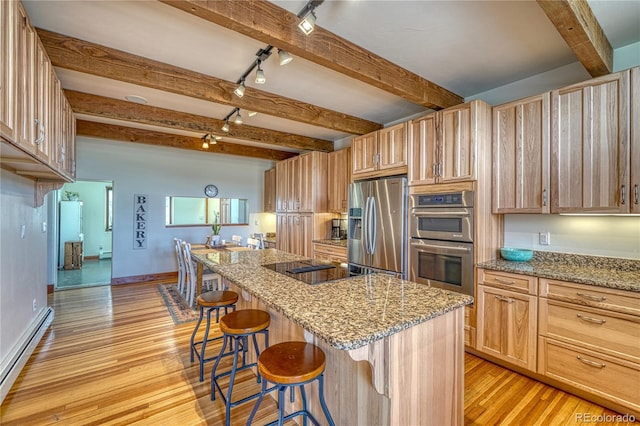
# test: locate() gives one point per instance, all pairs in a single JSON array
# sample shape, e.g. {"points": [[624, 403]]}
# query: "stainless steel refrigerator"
{"points": [[377, 229]]}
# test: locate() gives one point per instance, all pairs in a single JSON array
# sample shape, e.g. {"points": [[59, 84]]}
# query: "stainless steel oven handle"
{"points": [[417, 212], [455, 248]]}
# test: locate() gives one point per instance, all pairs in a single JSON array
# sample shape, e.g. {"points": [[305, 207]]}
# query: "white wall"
{"points": [[23, 261], [159, 172]]}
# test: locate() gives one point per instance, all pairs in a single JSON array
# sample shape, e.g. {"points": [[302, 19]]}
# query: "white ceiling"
{"points": [[467, 47]]}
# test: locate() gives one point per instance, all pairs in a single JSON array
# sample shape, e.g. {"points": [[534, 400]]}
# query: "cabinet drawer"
{"points": [[602, 375], [331, 252], [588, 295], [505, 280], [615, 334]]}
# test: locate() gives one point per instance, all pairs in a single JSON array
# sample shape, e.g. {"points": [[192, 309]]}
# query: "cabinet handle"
{"points": [[592, 297], [439, 169], [504, 299], [40, 132], [591, 319], [623, 193], [433, 169], [503, 281], [636, 194], [544, 197], [591, 363]]}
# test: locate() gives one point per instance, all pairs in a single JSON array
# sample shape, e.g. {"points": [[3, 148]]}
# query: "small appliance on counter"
{"points": [[338, 229]]}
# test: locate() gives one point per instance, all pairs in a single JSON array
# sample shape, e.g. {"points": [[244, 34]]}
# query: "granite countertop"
{"points": [[339, 243], [348, 313], [621, 274]]}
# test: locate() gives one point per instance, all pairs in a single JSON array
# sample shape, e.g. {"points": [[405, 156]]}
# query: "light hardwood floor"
{"points": [[114, 357]]}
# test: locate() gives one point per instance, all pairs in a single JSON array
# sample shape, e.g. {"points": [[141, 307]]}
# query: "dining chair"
{"points": [[236, 239], [253, 243], [207, 275], [177, 242], [260, 237]]}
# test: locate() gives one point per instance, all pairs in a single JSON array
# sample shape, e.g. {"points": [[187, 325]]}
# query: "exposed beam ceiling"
{"points": [[84, 103], [79, 55], [271, 24], [576, 23], [149, 137]]}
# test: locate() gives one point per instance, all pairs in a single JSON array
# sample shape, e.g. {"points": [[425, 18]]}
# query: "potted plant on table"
{"points": [[215, 230]]}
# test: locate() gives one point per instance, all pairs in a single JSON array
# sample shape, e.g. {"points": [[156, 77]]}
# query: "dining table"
{"points": [[199, 249]]}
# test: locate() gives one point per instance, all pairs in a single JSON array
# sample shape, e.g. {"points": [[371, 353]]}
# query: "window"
{"points": [[109, 208]]}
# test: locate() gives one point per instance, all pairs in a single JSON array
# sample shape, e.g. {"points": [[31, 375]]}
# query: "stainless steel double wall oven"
{"points": [[441, 227]]}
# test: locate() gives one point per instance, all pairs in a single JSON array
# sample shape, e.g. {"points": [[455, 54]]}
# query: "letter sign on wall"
{"points": [[139, 221]]}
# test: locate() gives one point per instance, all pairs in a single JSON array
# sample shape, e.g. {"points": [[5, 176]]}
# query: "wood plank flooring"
{"points": [[114, 357]]}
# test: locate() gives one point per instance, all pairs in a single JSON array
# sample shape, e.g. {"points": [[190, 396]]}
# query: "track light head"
{"points": [[308, 22], [239, 91], [238, 119], [225, 127], [284, 56], [260, 78], [251, 113], [205, 142]]}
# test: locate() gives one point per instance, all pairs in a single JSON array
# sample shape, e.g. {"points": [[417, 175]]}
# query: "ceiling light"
{"points": [[136, 99], [284, 56], [308, 22], [217, 138], [238, 119], [225, 127], [240, 89], [251, 113], [260, 78], [205, 143]]}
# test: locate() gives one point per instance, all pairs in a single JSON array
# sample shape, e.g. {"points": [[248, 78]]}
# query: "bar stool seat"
{"points": [[291, 364], [237, 327], [211, 301]]}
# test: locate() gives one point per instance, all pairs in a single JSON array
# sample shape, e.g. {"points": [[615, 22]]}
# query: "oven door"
{"points": [[451, 224], [443, 264]]}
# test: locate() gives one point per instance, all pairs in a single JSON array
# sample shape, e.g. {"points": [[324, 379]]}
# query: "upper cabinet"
{"points": [[380, 153], [37, 126], [590, 146], [521, 131], [269, 197], [301, 183], [634, 187], [444, 144], [339, 164]]}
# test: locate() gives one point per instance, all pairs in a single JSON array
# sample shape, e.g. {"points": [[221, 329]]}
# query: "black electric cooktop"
{"points": [[310, 271]]}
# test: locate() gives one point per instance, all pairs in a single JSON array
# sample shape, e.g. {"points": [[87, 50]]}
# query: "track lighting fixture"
{"points": [[240, 89], [238, 119], [260, 78], [225, 127], [284, 56], [308, 22], [205, 143]]}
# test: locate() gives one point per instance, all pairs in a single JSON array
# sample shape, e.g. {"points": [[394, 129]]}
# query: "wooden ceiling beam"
{"points": [[100, 106], [129, 134], [269, 23], [579, 27], [83, 56]]}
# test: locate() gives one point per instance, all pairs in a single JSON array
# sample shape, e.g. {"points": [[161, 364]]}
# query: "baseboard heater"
{"points": [[105, 255], [19, 355]]}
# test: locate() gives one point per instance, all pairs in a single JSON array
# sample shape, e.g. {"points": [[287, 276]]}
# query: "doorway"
{"points": [[84, 234]]}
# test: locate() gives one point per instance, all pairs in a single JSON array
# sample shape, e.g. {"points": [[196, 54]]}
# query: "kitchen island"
{"points": [[395, 351]]}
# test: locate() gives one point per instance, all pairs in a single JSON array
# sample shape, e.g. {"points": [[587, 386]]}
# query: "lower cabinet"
{"points": [[295, 232], [329, 252]]}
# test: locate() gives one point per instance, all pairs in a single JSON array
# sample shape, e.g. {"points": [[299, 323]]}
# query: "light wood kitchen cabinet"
{"points": [[380, 153], [295, 232], [282, 193], [269, 190], [330, 252], [339, 177], [301, 183], [634, 186], [293, 184], [521, 132], [282, 242], [26, 128], [8, 70], [590, 146], [444, 145], [588, 339], [507, 321]]}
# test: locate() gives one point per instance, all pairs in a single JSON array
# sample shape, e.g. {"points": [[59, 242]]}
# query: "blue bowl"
{"points": [[516, 255]]}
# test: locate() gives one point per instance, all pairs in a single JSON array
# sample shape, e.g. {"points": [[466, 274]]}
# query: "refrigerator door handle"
{"points": [[374, 224], [365, 240]]}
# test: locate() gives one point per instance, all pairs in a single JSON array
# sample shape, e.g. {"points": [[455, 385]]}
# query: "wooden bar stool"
{"points": [[237, 327], [287, 365], [211, 301]]}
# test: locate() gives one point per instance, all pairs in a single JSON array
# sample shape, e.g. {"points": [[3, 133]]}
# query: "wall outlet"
{"points": [[44, 226], [23, 230], [35, 305], [544, 238]]}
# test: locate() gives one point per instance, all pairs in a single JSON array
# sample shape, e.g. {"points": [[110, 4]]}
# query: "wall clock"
{"points": [[210, 191]]}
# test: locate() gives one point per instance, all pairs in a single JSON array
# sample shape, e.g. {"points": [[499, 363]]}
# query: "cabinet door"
{"points": [[392, 147], [293, 184], [521, 156], [422, 160], [269, 190], [8, 70], [364, 152], [306, 234], [456, 145], [69, 135], [282, 236], [634, 187], [41, 99], [306, 195], [282, 179], [26, 67], [294, 235], [507, 326], [339, 177], [590, 146]]}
